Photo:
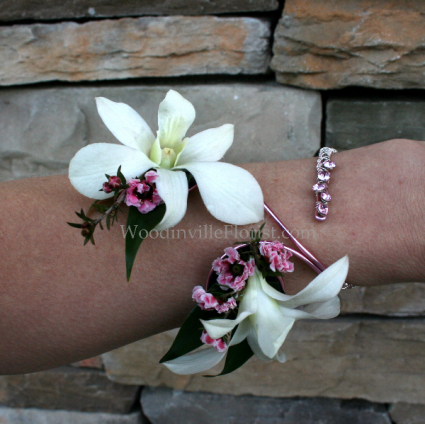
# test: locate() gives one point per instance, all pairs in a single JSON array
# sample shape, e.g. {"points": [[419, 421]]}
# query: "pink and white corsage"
{"points": [[155, 172], [261, 314]]}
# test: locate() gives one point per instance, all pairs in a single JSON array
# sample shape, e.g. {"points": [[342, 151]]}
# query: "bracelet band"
{"points": [[323, 167], [303, 254]]}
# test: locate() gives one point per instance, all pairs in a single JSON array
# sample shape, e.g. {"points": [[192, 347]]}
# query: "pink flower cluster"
{"points": [[112, 184], [217, 343], [208, 302], [277, 256], [232, 271], [142, 193]]}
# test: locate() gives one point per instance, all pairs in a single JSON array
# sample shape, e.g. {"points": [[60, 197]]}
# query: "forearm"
{"points": [[63, 302]]}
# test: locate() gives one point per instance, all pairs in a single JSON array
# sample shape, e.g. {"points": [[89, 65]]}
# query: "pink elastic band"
{"points": [[305, 255]]}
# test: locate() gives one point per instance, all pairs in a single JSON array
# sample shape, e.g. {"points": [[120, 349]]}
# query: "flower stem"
{"points": [[113, 207]]}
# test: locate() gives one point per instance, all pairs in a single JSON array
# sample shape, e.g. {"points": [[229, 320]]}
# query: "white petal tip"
{"points": [[174, 93], [102, 103], [344, 262], [195, 362], [247, 219]]}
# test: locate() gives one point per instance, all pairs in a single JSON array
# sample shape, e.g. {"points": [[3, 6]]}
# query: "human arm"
{"points": [[62, 302]]}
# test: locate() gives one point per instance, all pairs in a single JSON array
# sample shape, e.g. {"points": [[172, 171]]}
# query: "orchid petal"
{"points": [[217, 328], [88, 167], [208, 146], [173, 188], [179, 147], [324, 287], [255, 347], [280, 356], [324, 310], [195, 362], [126, 124], [320, 310], [270, 325], [231, 194], [175, 116], [156, 153], [271, 332], [241, 332]]}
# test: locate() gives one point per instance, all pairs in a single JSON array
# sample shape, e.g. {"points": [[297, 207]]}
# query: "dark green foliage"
{"points": [[138, 227], [237, 355], [189, 335]]}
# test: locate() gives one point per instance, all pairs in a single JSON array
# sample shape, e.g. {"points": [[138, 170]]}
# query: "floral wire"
{"points": [[305, 255]]}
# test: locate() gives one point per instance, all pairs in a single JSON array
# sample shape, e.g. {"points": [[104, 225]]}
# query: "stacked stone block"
{"points": [[133, 47], [51, 9], [364, 367], [332, 44], [43, 128]]}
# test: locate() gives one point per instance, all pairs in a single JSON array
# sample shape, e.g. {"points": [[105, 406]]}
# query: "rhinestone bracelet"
{"points": [[324, 166]]}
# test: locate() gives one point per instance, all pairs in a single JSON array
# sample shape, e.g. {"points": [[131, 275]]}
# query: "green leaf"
{"points": [[101, 208], [81, 215], [74, 225], [87, 239], [189, 335], [237, 355], [267, 272], [121, 176], [275, 283], [138, 227]]}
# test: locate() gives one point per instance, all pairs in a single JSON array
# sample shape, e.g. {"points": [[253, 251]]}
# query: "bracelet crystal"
{"points": [[323, 167]]}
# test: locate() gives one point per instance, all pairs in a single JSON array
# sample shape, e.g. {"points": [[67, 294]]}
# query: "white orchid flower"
{"points": [[266, 316], [230, 193]]}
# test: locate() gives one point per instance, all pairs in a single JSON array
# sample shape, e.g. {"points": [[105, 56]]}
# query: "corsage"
{"points": [[243, 310]]}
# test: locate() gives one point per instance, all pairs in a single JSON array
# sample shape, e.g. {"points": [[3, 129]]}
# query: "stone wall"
{"points": [[278, 73], [325, 44]]}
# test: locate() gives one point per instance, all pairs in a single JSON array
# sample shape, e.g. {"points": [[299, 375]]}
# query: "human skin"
{"points": [[62, 302]]}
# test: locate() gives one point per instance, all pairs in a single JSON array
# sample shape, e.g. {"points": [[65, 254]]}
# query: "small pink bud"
{"points": [[197, 293], [206, 339], [85, 229], [226, 306], [114, 182], [219, 344], [106, 187]]}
